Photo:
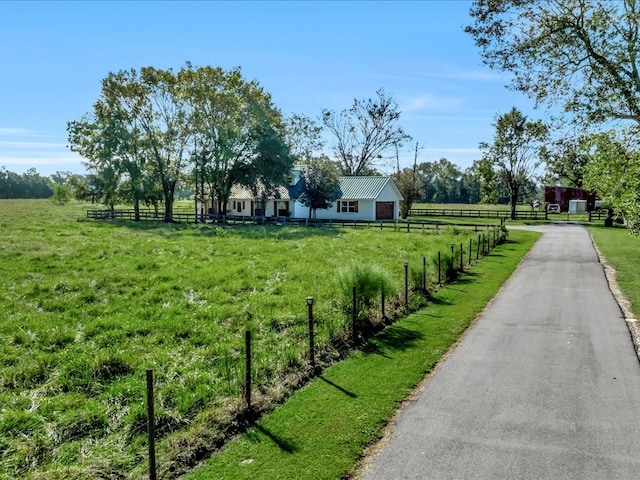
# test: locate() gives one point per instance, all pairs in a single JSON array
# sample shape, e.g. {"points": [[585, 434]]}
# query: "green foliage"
{"points": [[27, 185], [149, 127], [410, 185], [61, 194], [515, 152], [321, 185], [613, 171], [578, 54], [369, 280]]}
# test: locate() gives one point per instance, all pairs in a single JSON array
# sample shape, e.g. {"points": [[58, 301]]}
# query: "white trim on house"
{"points": [[363, 198]]}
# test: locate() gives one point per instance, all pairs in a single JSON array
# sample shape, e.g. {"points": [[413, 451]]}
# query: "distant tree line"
{"points": [[26, 185]]}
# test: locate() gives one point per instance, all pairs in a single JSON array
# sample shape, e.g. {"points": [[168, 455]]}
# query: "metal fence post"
{"points": [[312, 356], [247, 376], [406, 283], [151, 426], [354, 314]]}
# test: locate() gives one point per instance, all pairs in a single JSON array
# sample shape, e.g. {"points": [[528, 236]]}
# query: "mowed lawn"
{"points": [[88, 306], [622, 251]]}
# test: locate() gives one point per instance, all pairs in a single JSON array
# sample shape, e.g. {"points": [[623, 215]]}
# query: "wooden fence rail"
{"points": [[469, 213], [399, 225]]}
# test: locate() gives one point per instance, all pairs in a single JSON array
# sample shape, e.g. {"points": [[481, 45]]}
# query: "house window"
{"points": [[348, 206]]}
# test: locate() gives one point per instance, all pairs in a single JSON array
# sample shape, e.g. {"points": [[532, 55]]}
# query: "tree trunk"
{"points": [[169, 190], [136, 209]]}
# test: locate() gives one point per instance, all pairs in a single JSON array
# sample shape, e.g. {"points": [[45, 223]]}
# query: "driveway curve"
{"points": [[545, 385]]}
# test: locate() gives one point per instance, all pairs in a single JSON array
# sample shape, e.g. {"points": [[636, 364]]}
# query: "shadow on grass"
{"points": [[338, 387], [393, 338], [283, 444], [212, 230]]}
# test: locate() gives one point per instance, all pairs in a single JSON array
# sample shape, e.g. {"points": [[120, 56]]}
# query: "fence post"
{"points": [[424, 273], [470, 250], [312, 356], [408, 227], [478, 248], [151, 426], [354, 315], [247, 376], [406, 283], [439, 271]]}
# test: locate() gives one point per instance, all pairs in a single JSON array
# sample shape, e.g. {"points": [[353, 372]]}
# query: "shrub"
{"points": [[369, 281]]}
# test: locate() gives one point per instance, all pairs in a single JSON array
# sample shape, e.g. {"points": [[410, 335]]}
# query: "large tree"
{"points": [[321, 185], [138, 125], [410, 186], [238, 134], [566, 159], [515, 152], [304, 138], [364, 132], [614, 172], [149, 128], [582, 54]]}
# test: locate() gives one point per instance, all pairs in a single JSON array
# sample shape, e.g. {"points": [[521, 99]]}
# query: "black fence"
{"points": [[183, 217], [469, 213]]}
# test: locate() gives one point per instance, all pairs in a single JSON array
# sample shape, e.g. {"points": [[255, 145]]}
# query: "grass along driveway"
{"points": [[322, 430]]}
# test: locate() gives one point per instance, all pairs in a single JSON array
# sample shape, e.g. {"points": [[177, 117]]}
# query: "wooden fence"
{"points": [[469, 213], [399, 225]]}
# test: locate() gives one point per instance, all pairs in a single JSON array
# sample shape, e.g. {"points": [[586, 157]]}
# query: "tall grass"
{"points": [[88, 306]]}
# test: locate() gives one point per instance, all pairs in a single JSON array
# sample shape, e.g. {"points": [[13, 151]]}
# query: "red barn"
{"points": [[562, 195]]}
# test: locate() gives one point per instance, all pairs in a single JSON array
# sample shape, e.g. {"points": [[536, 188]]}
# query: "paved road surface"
{"points": [[546, 385]]}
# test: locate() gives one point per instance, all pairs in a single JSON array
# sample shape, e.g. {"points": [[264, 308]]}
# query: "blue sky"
{"points": [[308, 55]]}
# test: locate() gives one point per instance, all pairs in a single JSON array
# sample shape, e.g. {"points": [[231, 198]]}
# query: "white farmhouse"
{"points": [[362, 198]]}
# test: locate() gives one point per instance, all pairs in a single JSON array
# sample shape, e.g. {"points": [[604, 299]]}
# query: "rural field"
{"points": [[88, 306]]}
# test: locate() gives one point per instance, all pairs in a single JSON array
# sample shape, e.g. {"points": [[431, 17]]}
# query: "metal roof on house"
{"points": [[243, 193], [365, 188], [351, 188]]}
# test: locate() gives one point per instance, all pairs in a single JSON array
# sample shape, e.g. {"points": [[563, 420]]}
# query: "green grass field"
{"points": [[622, 252], [322, 431], [88, 306]]}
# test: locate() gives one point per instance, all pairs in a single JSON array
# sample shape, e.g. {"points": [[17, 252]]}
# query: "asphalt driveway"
{"points": [[545, 385]]}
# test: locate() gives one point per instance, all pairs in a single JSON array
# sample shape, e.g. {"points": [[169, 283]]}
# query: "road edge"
{"points": [[620, 297]]}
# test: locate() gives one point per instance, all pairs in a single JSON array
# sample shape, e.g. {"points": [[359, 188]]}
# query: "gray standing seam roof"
{"points": [[366, 188]]}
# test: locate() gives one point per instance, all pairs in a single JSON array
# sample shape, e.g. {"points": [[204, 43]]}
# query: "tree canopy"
{"points": [[321, 185], [578, 53], [613, 171], [364, 132], [152, 128], [581, 55], [515, 152]]}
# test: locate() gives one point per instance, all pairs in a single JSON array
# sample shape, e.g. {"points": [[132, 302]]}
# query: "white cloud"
{"points": [[15, 132], [45, 157], [428, 102]]}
